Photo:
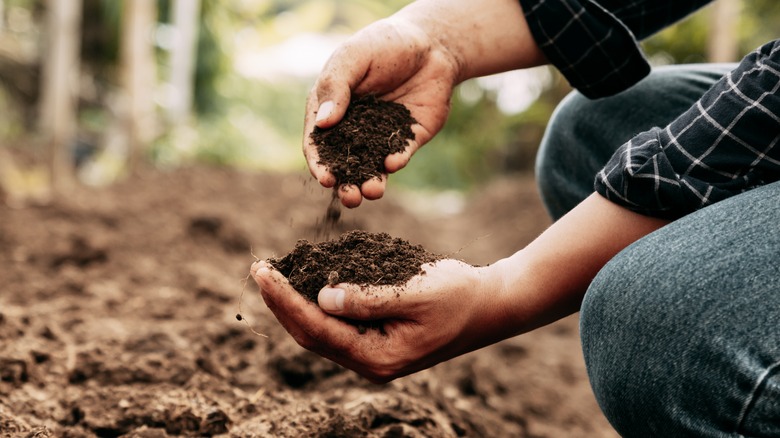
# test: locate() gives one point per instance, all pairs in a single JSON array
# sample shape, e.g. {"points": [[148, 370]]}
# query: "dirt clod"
{"points": [[356, 257], [354, 150]]}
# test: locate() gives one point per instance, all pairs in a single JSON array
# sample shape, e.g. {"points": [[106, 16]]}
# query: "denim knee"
{"points": [[564, 179], [679, 330], [634, 359], [617, 364]]}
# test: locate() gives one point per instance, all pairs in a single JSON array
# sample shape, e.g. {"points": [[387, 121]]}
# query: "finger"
{"points": [[308, 325], [365, 303], [404, 302], [374, 188], [317, 170], [333, 92], [345, 68], [430, 111], [329, 99], [278, 294], [399, 160], [350, 196]]}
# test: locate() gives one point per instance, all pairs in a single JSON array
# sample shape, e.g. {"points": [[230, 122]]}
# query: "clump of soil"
{"points": [[354, 150], [357, 257]]}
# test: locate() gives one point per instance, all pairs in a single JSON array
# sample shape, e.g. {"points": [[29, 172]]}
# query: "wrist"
{"points": [[502, 304], [430, 34], [480, 37]]}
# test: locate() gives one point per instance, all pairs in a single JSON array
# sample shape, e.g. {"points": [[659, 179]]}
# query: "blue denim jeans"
{"points": [[681, 330]]}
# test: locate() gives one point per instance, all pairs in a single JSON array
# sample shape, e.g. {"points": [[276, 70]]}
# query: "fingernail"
{"points": [[260, 268], [331, 299], [324, 111]]}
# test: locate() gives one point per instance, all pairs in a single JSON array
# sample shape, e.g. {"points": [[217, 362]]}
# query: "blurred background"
{"points": [[94, 90]]}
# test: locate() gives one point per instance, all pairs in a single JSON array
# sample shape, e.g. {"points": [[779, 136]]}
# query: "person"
{"points": [[672, 255]]}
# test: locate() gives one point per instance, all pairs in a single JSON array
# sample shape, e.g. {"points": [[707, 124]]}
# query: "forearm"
{"points": [[483, 36], [547, 280]]}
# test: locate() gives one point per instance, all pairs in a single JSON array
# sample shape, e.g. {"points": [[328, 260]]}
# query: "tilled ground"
{"points": [[117, 318]]}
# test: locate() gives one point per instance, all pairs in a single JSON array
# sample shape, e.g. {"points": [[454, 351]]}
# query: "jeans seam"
{"points": [[751, 401]]}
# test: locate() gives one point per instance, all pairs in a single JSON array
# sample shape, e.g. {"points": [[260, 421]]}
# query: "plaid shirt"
{"points": [[725, 144]]}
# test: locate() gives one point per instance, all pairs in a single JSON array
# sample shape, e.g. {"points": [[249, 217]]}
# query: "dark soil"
{"points": [[118, 318], [357, 257], [354, 150]]}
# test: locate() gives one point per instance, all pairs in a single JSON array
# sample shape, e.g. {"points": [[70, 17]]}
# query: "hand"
{"points": [[449, 310], [397, 61], [415, 58], [453, 308]]}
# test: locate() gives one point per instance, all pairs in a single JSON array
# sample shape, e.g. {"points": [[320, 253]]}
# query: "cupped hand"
{"points": [[397, 61], [450, 309]]}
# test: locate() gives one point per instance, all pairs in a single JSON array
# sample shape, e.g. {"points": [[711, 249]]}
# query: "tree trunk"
{"points": [[723, 45], [2, 16], [183, 56], [138, 74], [60, 89]]}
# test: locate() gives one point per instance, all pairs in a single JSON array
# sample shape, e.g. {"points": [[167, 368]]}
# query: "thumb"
{"points": [[359, 302], [333, 97], [342, 73]]}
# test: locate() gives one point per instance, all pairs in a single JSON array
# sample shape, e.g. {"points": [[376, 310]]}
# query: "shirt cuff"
{"points": [[642, 177], [725, 144], [592, 48]]}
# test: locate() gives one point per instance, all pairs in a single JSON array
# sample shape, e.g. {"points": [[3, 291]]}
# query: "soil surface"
{"points": [[354, 150], [357, 256], [117, 318]]}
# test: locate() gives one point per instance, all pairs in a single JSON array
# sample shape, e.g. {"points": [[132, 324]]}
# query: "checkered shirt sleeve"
{"points": [[725, 144], [594, 44]]}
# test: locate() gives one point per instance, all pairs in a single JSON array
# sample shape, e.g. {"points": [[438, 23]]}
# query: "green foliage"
{"points": [[758, 23], [686, 42], [683, 43], [212, 61]]}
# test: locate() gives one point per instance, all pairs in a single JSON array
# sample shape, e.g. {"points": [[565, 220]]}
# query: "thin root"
{"points": [[468, 244], [240, 316], [396, 133]]}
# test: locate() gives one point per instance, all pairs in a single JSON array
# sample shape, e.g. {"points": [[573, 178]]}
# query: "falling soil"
{"points": [[329, 224], [354, 150], [358, 257]]}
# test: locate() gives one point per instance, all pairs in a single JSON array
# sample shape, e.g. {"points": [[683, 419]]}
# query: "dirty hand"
{"points": [[415, 58], [397, 61], [451, 309]]}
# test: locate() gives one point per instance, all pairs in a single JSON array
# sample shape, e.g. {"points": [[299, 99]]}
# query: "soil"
{"points": [[118, 305], [354, 150], [358, 257]]}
